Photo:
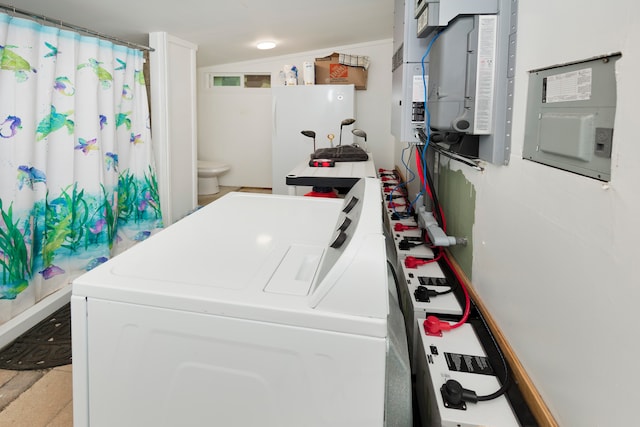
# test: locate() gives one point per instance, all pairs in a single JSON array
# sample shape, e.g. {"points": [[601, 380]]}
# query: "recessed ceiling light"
{"points": [[266, 45]]}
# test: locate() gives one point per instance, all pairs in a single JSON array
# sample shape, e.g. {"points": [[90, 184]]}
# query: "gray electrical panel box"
{"points": [[471, 75], [433, 14], [407, 113], [407, 95], [463, 75], [570, 114], [407, 47]]}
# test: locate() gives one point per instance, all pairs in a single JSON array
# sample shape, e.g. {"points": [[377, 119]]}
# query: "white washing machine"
{"points": [[256, 310]]}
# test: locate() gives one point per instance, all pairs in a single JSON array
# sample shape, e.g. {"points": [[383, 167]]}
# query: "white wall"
{"points": [[235, 125], [555, 254], [173, 91], [232, 127]]}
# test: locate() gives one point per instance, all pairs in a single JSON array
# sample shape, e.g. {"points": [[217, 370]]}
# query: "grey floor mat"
{"points": [[46, 345]]}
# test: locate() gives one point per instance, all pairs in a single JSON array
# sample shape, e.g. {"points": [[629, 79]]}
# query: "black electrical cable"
{"points": [[461, 142], [448, 291], [405, 244], [453, 392], [393, 273], [457, 156], [507, 378], [451, 285]]}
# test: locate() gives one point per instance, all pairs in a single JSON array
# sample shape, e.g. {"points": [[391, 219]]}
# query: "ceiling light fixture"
{"points": [[266, 45]]}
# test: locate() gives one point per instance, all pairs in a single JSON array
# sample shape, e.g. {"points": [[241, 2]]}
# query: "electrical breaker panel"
{"points": [[409, 88], [409, 78], [570, 115]]}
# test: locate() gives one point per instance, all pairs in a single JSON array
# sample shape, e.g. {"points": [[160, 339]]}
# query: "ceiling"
{"points": [[228, 31]]}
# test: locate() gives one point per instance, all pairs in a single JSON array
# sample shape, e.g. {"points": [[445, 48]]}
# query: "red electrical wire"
{"points": [[467, 299], [413, 262], [398, 226], [432, 324], [421, 172], [396, 205]]}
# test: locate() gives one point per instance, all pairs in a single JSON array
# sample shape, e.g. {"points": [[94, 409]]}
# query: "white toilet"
{"points": [[208, 172]]}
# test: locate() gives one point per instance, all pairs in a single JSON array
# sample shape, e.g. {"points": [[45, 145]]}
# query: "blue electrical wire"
{"points": [[403, 184], [426, 111], [424, 149]]}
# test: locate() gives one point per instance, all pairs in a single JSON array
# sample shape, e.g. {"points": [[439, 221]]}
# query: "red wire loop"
{"points": [[398, 226]]}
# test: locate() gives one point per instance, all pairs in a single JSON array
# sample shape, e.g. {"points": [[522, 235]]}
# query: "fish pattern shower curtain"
{"points": [[77, 180]]}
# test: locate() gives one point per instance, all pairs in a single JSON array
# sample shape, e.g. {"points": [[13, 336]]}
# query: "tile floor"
{"points": [[36, 398], [43, 398]]}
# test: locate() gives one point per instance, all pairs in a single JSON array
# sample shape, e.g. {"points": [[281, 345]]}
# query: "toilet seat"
{"points": [[211, 168]]}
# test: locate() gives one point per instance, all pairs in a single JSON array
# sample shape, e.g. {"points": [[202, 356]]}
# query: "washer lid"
{"points": [[235, 243], [246, 255]]}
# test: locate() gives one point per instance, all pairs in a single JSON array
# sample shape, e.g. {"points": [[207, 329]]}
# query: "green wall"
{"points": [[457, 196]]}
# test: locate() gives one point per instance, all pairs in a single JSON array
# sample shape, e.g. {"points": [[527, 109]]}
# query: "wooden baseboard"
{"points": [[537, 406]]}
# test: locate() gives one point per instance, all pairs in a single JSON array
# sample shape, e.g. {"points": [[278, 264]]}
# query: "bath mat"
{"points": [[46, 345]]}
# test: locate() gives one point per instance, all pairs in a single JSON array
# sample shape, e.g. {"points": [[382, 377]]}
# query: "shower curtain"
{"points": [[77, 180]]}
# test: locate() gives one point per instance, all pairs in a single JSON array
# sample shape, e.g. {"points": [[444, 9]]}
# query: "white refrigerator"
{"points": [[320, 108]]}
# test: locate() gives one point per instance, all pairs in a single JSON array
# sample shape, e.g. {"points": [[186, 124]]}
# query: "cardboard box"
{"points": [[329, 70]]}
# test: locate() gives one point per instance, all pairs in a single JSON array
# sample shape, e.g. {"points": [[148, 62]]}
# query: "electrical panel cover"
{"points": [[570, 116]]}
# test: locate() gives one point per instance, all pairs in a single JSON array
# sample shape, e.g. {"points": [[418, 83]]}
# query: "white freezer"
{"points": [[320, 108], [241, 313]]}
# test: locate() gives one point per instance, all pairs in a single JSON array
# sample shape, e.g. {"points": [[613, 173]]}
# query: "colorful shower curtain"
{"points": [[77, 180]]}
